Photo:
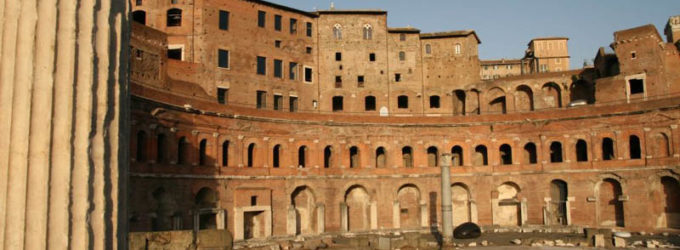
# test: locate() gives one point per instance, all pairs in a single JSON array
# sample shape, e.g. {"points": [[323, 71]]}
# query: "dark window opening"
{"points": [[160, 148], [309, 50], [175, 54], [251, 154], [309, 29], [253, 200], [138, 2], [607, 149], [278, 102], [302, 156], [371, 57], [278, 68], [530, 153], [369, 103], [276, 152], [581, 150], [261, 99], [402, 55], [277, 43], [261, 65], [308, 74], [174, 17], [225, 153], [338, 81], [141, 146], [636, 86], [402, 102], [327, 157], [277, 22], [380, 158], [181, 147], [293, 104], [353, 157], [397, 77], [293, 26], [360, 81], [432, 157], [224, 20], [407, 156], [481, 155], [222, 95], [555, 152], [338, 56], [337, 103], [292, 71], [506, 154], [223, 58], [202, 152], [261, 18], [634, 145], [434, 102], [457, 156], [139, 16]]}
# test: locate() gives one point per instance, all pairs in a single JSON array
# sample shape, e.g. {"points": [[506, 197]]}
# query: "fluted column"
{"points": [[63, 115]]}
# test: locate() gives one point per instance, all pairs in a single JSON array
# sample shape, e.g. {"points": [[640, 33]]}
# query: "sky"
{"points": [[506, 26]]}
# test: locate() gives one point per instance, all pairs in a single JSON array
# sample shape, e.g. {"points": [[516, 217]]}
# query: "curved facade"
{"points": [[272, 121]]}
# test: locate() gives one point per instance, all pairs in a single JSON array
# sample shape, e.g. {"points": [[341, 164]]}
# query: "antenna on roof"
{"points": [[332, 6]]}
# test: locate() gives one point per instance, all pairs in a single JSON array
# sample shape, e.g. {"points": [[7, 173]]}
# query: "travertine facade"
{"points": [[63, 116], [364, 155]]}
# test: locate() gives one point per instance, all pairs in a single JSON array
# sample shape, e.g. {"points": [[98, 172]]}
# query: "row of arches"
{"points": [[660, 147]]}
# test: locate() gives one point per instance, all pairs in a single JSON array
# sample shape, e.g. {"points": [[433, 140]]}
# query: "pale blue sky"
{"points": [[506, 26]]}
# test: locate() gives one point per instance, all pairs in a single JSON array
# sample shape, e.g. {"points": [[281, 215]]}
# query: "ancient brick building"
{"points": [[270, 121]]}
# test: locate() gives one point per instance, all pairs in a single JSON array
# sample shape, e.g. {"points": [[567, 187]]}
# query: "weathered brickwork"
{"points": [[565, 148]]}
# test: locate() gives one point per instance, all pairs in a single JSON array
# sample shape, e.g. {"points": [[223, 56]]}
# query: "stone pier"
{"points": [[63, 117]]}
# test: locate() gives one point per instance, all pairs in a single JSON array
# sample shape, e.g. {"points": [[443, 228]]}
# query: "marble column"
{"points": [[447, 216], [64, 99]]}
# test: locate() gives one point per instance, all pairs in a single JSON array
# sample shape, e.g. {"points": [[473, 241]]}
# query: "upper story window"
{"points": [[402, 55], [173, 1], [139, 16], [223, 58], [309, 29], [371, 57], [337, 31], [261, 18], [368, 32], [261, 65], [428, 49], [457, 48], [402, 37], [293, 26], [224, 20], [138, 2], [402, 102], [174, 17], [508, 66], [277, 22]]}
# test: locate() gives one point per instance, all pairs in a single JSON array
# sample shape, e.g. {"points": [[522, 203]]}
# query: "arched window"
{"points": [[380, 157], [581, 150], [160, 148], [407, 156], [276, 156], [457, 49], [139, 16], [555, 152], [201, 152], [181, 148], [457, 156], [141, 146], [327, 157], [459, 102], [337, 31], [662, 148], [225, 153], [402, 55], [251, 154], [353, 157], [302, 156], [428, 49], [174, 17], [481, 156], [369, 103], [530, 153], [634, 146], [607, 149], [368, 32], [432, 157], [506, 154]]}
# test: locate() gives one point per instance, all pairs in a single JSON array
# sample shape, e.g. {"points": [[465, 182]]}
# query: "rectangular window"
{"points": [[338, 81], [402, 37], [222, 95], [175, 53], [308, 74], [253, 200], [338, 56], [261, 99], [508, 66], [360, 81], [309, 29], [138, 2], [309, 50], [223, 58], [224, 20], [397, 77], [337, 103], [278, 102], [277, 43], [261, 18], [293, 103], [371, 57], [636, 86], [293, 26], [292, 71], [277, 22], [278, 68], [261, 65]]}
